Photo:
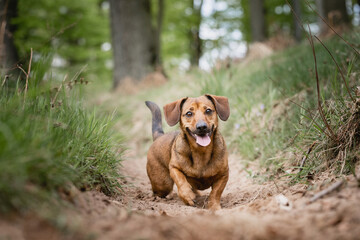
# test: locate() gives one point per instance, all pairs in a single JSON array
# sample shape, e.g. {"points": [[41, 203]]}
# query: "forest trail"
{"points": [[251, 209], [270, 210]]}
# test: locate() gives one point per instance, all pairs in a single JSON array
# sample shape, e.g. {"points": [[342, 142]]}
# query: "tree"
{"points": [[333, 11], [8, 52], [159, 22], [257, 20], [194, 34], [296, 5], [133, 38]]}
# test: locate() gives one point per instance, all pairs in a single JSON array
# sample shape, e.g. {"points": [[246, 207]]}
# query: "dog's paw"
{"points": [[187, 196], [213, 206]]}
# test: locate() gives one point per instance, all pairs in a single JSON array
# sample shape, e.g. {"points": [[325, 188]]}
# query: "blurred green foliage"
{"points": [[71, 31], [77, 33], [174, 39]]}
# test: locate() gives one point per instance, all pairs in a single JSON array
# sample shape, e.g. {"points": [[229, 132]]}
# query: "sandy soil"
{"points": [[249, 211]]}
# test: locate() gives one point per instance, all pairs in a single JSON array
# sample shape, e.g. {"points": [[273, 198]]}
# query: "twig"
{"points": [[77, 74], [338, 67], [61, 31], [27, 75], [277, 188], [54, 99], [306, 156], [256, 196], [327, 191], [28, 72], [19, 67], [3, 83], [343, 154], [322, 115]]}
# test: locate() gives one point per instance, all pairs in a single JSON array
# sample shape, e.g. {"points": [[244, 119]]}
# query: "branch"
{"points": [[327, 191], [28, 73], [306, 156]]}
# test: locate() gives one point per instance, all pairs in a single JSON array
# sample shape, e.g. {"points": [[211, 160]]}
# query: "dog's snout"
{"points": [[201, 126]]}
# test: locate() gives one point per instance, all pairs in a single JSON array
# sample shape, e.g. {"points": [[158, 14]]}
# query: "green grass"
{"points": [[266, 122], [49, 142]]}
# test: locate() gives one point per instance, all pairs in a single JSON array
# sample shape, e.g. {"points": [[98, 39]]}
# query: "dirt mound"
{"points": [[132, 86]]}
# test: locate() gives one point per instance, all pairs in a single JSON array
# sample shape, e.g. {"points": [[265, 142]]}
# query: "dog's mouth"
{"points": [[202, 138]]}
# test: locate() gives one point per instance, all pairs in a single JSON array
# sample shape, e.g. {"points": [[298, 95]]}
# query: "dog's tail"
{"points": [[157, 130]]}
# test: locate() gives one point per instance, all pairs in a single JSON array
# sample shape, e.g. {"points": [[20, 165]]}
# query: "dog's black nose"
{"points": [[201, 126]]}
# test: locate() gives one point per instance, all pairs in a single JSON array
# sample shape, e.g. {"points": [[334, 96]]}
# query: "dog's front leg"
{"points": [[217, 189], [185, 191]]}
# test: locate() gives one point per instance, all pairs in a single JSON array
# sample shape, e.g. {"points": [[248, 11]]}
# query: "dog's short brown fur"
{"points": [[178, 157]]}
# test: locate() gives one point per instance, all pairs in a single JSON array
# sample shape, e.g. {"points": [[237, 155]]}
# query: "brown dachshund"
{"points": [[194, 158]]}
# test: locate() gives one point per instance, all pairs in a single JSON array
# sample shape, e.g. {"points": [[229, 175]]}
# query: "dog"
{"points": [[195, 158]]}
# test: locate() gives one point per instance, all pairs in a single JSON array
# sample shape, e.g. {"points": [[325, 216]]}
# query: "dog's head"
{"points": [[198, 116]]}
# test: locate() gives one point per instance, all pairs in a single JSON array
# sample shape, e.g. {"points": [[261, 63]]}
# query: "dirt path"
{"points": [[250, 211]]}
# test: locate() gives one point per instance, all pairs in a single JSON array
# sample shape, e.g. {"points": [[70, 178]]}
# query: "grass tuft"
{"points": [[49, 142]]}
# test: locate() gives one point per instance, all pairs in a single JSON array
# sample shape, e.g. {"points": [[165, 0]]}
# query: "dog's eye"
{"points": [[189, 114], [208, 111]]}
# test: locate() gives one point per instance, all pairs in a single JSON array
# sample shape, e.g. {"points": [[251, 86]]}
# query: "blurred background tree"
{"points": [[334, 12], [257, 20], [68, 35], [8, 52], [71, 34], [134, 40]]}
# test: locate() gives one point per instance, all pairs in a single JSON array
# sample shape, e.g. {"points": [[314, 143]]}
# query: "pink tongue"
{"points": [[203, 141]]}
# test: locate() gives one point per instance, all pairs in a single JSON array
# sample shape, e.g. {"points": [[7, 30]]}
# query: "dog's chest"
{"points": [[201, 183], [201, 166]]}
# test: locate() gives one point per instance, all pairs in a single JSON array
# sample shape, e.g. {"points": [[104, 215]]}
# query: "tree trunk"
{"points": [[159, 20], [334, 12], [8, 53], [296, 5], [133, 39], [257, 20], [194, 35]]}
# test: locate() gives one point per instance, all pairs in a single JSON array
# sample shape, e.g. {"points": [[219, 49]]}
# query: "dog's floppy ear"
{"points": [[172, 111], [221, 105]]}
